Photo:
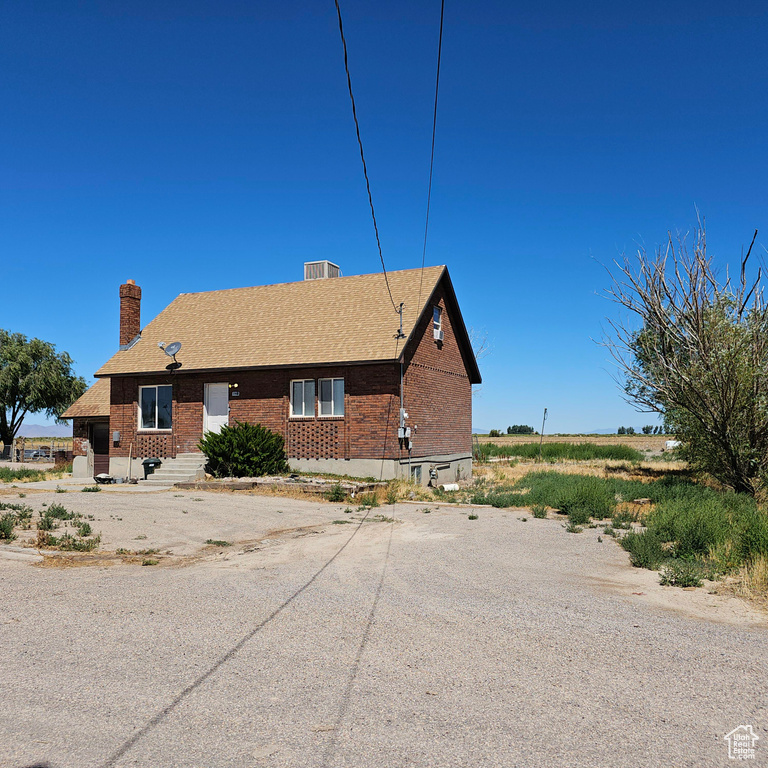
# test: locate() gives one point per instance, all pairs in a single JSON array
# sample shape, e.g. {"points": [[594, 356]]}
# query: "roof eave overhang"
{"points": [[224, 369]]}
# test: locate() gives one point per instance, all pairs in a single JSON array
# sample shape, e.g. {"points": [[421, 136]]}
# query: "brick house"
{"points": [[320, 361]]}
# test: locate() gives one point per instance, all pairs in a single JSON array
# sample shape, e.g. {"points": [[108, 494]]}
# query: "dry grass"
{"points": [[752, 581], [509, 471], [639, 442]]}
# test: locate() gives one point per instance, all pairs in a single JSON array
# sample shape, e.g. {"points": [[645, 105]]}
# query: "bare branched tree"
{"points": [[695, 349], [481, 348]]}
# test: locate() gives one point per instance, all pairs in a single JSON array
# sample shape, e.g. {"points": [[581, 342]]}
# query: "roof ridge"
{"points": [[318, 280]]}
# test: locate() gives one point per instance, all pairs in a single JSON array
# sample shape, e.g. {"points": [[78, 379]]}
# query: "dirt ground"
{"points": [[414, 637]]}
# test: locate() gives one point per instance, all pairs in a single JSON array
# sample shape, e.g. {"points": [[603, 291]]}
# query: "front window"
{"points": [[155, 407], [331, 397], [303, 397]]}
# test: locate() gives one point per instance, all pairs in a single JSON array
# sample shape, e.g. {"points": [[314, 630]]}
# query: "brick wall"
{"points": [[79, 437], [367, 430], [130, 312], [437, 391]]}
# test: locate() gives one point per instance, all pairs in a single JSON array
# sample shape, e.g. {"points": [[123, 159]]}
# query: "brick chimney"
{"points": [[130, 312]]}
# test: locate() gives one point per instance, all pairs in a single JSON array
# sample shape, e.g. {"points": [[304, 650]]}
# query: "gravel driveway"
{"points": [[434, 641]]}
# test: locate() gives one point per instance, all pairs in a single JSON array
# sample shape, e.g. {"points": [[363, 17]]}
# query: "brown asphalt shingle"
{"points": [[334, 320], [95, 402]]}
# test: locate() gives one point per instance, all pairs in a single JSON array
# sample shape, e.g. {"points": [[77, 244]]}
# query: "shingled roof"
{"points": [[312, 322], [95, 402]]}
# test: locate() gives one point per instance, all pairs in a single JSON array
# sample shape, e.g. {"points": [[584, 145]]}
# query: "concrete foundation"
{"points": [[450, 468], [118, 467], [82, 467]]}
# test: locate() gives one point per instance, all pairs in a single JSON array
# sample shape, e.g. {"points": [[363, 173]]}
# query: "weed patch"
{"points": [[368, 500], [681, 573], [561, 451], [8, 475], [336, 493], [7, 524], [645, 549]]}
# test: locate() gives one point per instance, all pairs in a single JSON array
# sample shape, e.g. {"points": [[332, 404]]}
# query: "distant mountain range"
{"points": [[45, 430]]}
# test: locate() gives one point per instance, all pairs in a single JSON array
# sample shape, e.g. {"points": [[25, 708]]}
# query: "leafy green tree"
{"points": [[621, 431], [34, 378], [697, 353], [630, 430], [519, 429], [648, 429]]}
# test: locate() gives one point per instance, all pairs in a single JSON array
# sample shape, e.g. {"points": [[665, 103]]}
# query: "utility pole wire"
{"points": [[362, 154], [432, 155]]}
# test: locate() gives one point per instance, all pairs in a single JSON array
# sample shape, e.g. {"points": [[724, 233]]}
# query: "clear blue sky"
{"points": [[203, 145]]}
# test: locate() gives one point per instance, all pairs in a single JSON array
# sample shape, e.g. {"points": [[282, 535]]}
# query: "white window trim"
{"points": [[139, 427], [291, 414], [437, 325], [320, 414]]}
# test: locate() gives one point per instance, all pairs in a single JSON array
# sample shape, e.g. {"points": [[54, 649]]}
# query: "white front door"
{"points": [[215, 407]]}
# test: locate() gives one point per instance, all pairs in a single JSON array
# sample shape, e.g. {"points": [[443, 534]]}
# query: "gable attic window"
{"points": [[303, 397], [155, 407], [331, 397], [437, 323]]}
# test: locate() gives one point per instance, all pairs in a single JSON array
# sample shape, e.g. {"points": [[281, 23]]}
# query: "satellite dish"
{"points": [[173, 348]]}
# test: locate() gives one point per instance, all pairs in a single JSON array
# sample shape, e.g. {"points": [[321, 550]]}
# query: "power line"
{"points": [[362, 154], [432, 155]]}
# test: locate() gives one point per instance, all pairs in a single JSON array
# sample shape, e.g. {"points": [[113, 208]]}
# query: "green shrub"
{"points": [[336, 493], [585, 497], [752, 536], [645, 549], [392, 494], [22, 514], [578, 516], [539, 511], [84, 529], [681, 573], [7, 523], [212, 542], [47, 522], [59, 512], [244, 450], [91, 489]]}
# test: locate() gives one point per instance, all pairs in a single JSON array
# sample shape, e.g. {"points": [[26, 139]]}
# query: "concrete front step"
{"points": [[177, 470], [185, 468]]}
